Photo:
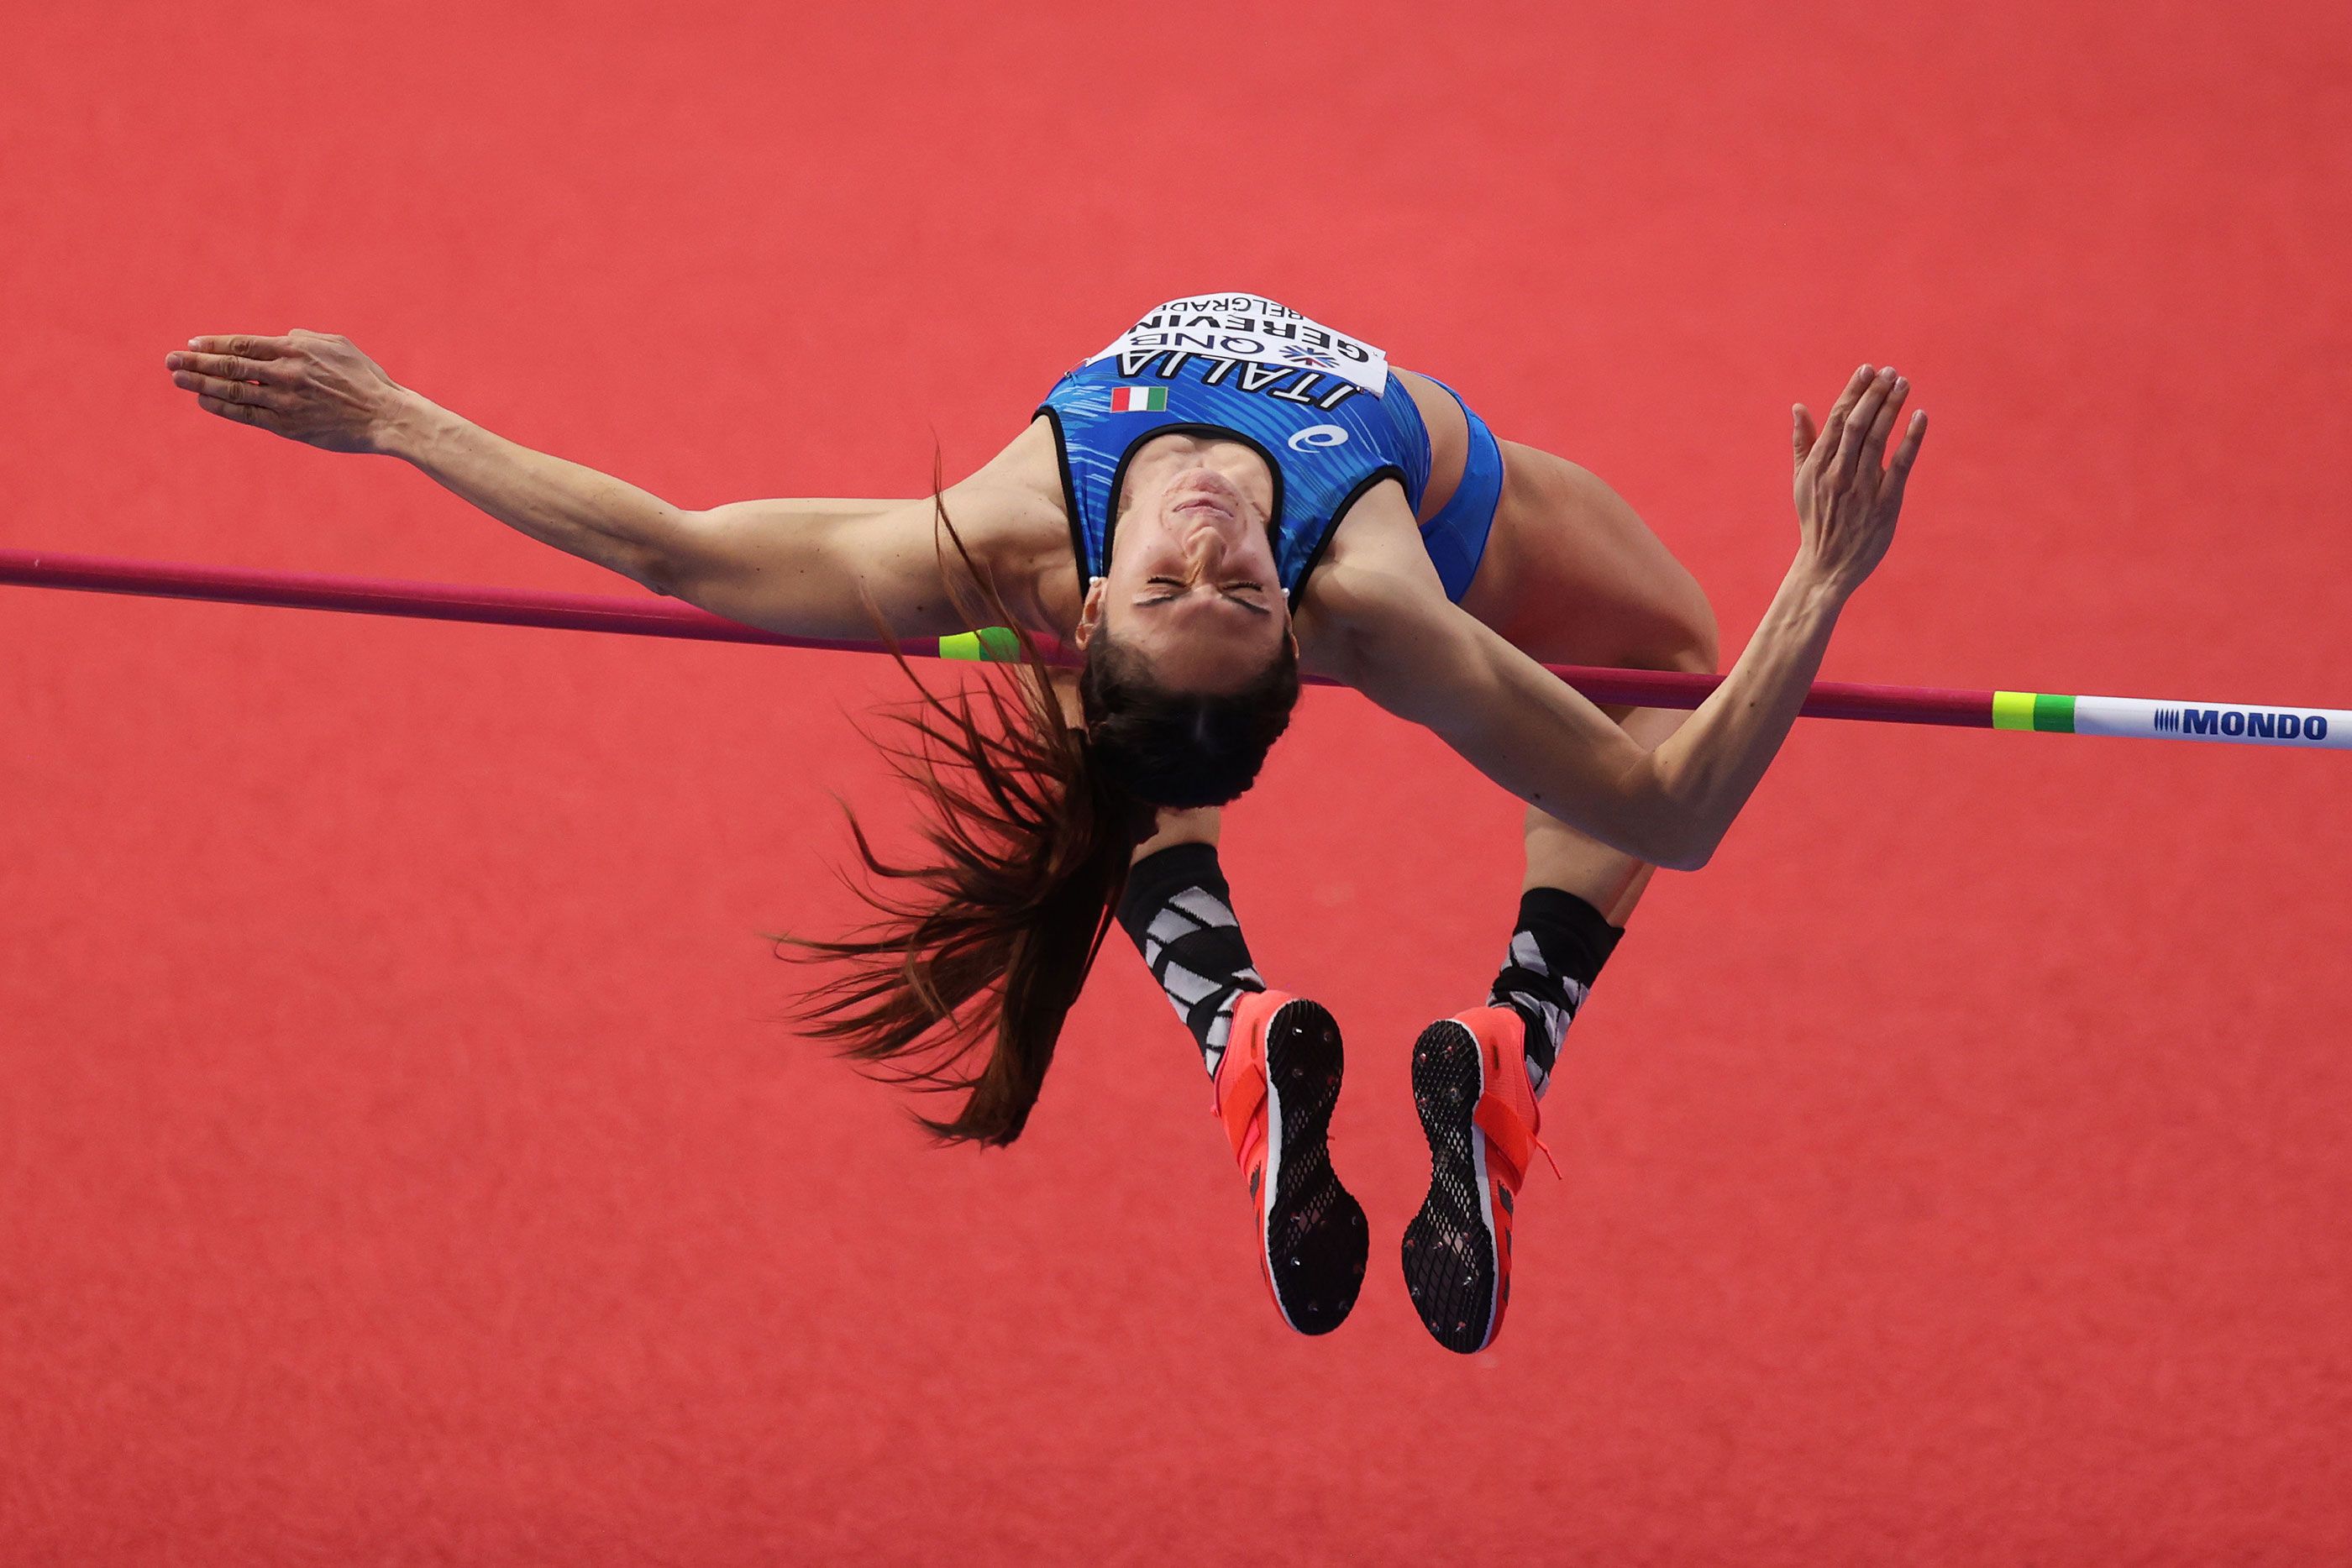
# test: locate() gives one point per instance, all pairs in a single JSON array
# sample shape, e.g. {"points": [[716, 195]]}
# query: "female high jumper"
{"points": [[1173, 513]]}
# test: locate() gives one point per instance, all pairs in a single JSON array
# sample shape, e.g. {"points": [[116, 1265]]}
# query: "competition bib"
{"points": [[1255, 331]]}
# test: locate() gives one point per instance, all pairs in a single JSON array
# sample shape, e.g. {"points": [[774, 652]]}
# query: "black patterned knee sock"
{"points": [[1556, 953], [1179, 912]]}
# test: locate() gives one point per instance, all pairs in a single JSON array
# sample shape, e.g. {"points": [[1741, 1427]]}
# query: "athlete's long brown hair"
{"points": [[1031, 826]]}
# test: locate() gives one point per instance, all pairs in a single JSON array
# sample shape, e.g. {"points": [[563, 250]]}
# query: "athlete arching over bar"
{"points": [[1174, 511]]}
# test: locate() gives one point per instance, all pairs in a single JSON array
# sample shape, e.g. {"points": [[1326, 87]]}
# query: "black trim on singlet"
{"points": [[1076, 518], [1118, 482], [1070, 504], [1314, 555]]}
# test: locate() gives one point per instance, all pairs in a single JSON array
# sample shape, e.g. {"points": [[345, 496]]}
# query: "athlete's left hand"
{"points": [[1846, 503]]}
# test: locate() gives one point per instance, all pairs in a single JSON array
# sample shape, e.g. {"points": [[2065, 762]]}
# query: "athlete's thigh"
{"points": [[1573, 576]]}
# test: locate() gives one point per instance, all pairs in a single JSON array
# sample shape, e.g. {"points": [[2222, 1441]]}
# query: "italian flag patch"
{"points": [[1138, 400]]}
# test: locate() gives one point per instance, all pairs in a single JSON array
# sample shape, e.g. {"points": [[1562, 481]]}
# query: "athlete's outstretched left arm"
{"points": [[1403, 645], [1425, 659]]}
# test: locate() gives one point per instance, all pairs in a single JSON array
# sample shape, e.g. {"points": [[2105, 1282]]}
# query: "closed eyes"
{"points": [[1232, 588]]}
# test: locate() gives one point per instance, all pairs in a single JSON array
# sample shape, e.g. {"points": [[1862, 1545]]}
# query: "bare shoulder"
{"points": [[1029, 461], [1014, 497], [1013, 516], [1374, 592]]}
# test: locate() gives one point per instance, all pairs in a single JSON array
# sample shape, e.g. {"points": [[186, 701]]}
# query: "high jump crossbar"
{"points": [[2139, 717]]}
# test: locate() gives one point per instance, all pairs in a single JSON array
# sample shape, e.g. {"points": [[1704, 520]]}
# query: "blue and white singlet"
{"points": [[1321, 408]]}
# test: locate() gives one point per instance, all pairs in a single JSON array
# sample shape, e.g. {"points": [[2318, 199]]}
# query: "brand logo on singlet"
{"points": [[1316, 436]]}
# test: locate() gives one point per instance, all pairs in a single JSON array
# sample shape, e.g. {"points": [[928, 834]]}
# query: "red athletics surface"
{"points": [[397, 1160]]}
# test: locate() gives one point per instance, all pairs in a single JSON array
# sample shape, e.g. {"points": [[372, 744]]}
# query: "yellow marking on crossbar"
{"points": [[2012, 710]]}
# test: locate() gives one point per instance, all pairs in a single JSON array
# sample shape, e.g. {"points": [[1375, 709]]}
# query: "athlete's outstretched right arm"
{"points": [[808, 568]]}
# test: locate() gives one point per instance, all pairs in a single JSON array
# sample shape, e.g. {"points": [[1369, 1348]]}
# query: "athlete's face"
{"points": [[1192, 582]]}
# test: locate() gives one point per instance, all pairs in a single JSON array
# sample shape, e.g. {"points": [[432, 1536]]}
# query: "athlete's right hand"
{"points": [[1846, 503], [311, 387]]}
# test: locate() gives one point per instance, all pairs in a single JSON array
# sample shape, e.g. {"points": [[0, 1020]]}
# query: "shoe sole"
{"points": [[1450, 1262], [1314, 1239]]}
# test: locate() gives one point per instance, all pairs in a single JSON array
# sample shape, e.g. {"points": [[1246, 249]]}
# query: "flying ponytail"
{"points": [[987, 943], [1032, 822]]}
